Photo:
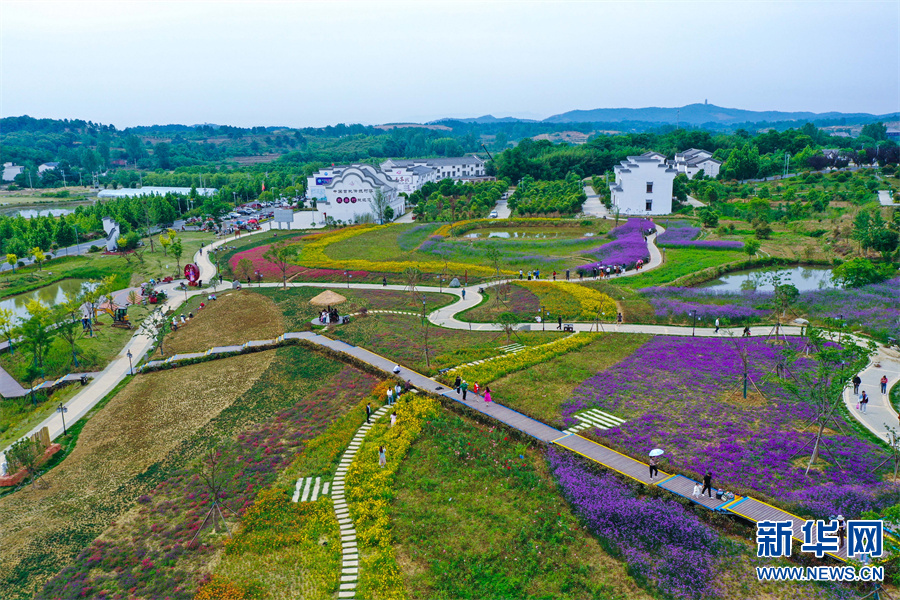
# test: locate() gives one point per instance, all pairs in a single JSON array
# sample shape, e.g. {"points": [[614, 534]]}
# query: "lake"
{"points": [[50, 295], [805, 279]]}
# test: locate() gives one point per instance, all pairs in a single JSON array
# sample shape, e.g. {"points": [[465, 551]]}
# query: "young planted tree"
{"points": [[508, 322], [39, 256], [177, 251], [68, 323], [751, 247], [156, 326], [8, 322], [37, 331], [412, 276], [380, 204], [11, 260], [25, 454], [211, 471], [243, 269], [820, 384], [281, 255]]}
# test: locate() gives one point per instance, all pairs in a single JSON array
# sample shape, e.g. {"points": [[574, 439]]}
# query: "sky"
{"points": [[310, 64]]}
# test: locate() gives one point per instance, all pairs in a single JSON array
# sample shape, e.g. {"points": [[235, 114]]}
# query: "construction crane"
{"points": [[488, 153]]}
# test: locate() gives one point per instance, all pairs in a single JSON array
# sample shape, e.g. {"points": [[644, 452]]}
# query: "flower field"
{"points": [[476, 515], [147, 553], [681, 394], [686, 235], [369, 490], [628, 247], [490, 370], [570, 300]]}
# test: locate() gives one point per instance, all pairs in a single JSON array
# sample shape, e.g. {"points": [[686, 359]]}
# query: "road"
{"points": [[593, 206]]}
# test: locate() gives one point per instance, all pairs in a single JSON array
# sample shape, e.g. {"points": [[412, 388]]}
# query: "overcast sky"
{"points": [[318, 63]]}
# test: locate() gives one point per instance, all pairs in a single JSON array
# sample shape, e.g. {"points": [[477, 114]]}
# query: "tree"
{"points": [[858, 272], [507, 321], [8, 326], [25, 454], [388, 214], [244, 268], [37, 331], [876, 131], [11, 260], [156, 326], [411, 277], [751, 247], [39, 256], [821, 386], [68, 325], [380, 204], [281, 255], [165, 239], [177, 251], [708, 216], [211, 471]]}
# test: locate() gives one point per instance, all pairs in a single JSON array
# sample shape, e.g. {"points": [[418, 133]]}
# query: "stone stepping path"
{"points": [[349, 549], [308, 489], [512, 348], [594, 418]]}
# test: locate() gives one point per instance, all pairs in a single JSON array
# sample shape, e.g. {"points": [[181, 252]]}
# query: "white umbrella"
{"points": [[657, 452]]}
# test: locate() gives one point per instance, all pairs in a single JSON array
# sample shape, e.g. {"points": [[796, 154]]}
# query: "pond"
{"points": [[531, 233], [805, 279], [50, 295]]}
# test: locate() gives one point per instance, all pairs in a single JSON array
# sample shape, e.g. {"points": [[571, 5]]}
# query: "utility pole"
{"points": [[64, 178]]}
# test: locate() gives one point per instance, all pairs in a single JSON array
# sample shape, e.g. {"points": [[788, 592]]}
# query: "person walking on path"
{"points": [[464, 293], [884, 384], [368, 411], [487, 394], [567, 274], [707, 484], [856, 382], [696, 492], [554, 275], [717, 325], [390, 396], [382, 456], [619, 318], [393, 418], [842, 531], [384, 281], [863, 401], [654, 467], [464, 386], [559, 322], [520, 273], [457, 383]]}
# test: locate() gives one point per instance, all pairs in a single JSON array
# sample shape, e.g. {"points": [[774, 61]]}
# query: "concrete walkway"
{"points": [[593, 206], [880, 414]]}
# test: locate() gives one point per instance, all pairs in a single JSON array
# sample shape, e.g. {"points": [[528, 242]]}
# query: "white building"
{"points": [[10, 171], [345, 193], [456, 168], [690, 162], [113, 233], [643, 185], [48, 166]]}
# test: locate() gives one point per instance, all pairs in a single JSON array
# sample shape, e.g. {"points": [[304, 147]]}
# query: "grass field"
{"points": [[541, 390], [234, 318], [45, 529], [680, 262], [476, 514]]}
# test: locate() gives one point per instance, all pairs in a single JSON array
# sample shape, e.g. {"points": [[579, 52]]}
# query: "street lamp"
{"points": [[347, 273], [543, 325], [62, 410], [130, 366], [423, 307], [693, 314]]}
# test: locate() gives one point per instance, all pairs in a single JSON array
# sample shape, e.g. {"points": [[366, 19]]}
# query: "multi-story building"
{"points": [[345, 192], [690, 162], [643, 185]]}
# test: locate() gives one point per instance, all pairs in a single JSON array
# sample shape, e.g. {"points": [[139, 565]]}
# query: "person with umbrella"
{"points": [[654, 462]]}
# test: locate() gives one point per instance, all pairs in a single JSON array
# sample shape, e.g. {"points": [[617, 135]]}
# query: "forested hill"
{"points": [[699, 114]]}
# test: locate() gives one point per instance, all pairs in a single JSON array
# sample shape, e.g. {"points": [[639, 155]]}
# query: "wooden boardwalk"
{"points": [[748, 508]]}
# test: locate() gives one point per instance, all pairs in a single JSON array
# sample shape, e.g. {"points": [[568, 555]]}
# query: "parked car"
{"points": [[493, 214]]}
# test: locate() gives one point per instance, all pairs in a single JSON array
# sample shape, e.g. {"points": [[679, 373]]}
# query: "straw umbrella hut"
{"points": [[327, 298]]}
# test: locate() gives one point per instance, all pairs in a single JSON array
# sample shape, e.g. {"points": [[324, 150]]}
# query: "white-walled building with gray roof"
{"points": [[643, 185]]}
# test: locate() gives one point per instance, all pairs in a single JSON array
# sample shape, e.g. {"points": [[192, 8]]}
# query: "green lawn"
{"points": [[681, 262], [540, 391], [475, 514]]}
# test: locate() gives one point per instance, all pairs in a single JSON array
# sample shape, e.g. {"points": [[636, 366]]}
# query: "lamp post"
{"points": [[62, 410], [423, 307], [543, 325], [347, 273], [693, 322], [130, 366]]}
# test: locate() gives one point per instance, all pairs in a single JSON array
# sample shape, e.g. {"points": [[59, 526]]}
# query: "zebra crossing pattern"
{"points": [[594, 418], [308, 489], [512, 348]]}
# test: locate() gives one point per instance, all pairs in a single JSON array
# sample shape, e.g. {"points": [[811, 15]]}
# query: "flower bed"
{"points": [[682, 395], [490, 370], [664, 544], [733, 307], [570, 300], [687, 237], [628, 248]]}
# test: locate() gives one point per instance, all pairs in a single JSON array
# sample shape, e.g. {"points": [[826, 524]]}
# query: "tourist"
{"points": [[407, 386], [554, 275], [863, 401], [696, 492], [475, 387], [487, 394], [654, 467], [707, 484], [383, 281], [747, 331], [457, 383], [559, 322], [464, 386], [841, 531], [397, 391], [717, 325], [619, 318], [567, 274], [368, 411], [884, 384], [464, 293], [390, 396], [520, 273], [393, 418], [856, 382], [396, 369], [382, 456]]}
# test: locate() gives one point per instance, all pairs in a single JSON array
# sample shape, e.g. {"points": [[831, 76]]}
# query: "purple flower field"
{"points": [[872, 308], [662, 542], [676, 237], [627, 248], [676, 391]]}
